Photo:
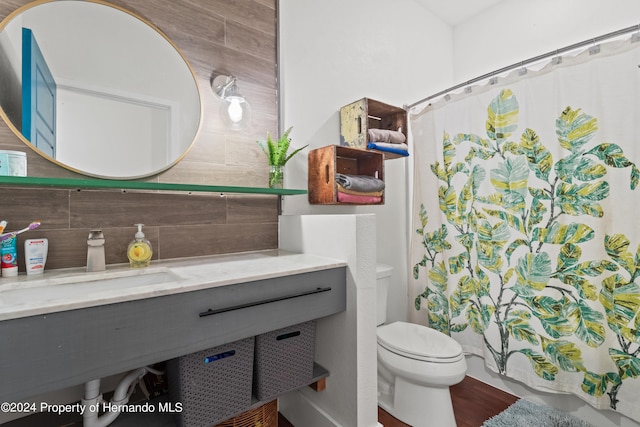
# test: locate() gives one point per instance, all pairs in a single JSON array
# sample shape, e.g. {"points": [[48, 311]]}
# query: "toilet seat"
{"points": [[419, 342]]}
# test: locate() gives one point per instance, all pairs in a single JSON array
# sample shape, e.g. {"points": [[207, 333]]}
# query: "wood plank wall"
{"points": [[227, 36]]}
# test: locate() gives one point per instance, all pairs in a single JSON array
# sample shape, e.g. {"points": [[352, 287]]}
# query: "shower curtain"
{"points": [[526, 247]]}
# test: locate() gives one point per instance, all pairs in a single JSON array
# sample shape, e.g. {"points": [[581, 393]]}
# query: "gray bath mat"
{"points": [[525, 413]]}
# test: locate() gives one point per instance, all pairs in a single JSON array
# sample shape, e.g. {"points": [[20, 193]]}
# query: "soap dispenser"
{"points": [[139, 250]]}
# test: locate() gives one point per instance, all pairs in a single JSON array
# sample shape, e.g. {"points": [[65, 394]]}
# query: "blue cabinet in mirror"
{"points": [[127, 101]]}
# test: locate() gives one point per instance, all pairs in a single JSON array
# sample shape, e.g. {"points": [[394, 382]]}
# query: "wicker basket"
{"points": [[263, 416]]}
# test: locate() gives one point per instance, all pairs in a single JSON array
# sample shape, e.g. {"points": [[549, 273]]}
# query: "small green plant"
{"points": [[276, 151]]}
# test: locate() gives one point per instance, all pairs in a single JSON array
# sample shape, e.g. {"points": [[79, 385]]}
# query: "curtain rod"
{"points": [[532, 60]]}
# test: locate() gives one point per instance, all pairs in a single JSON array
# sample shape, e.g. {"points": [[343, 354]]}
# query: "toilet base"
{"points": [[417, 405]]}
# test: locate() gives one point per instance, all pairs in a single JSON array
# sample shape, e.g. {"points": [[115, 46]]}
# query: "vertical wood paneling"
{"points": [[232, 36], [87, 209], [252, 210], [246, 39], [250, 13], [178, 225]]}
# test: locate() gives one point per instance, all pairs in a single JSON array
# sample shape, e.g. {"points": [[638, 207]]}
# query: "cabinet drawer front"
{"points": [[49, 352]]}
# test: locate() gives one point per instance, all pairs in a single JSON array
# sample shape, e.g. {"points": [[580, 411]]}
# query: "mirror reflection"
{"points": [[96, 89]]}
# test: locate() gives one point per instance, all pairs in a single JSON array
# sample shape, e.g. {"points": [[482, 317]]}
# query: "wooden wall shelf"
{"points": [[326, 162], [358, 117]]}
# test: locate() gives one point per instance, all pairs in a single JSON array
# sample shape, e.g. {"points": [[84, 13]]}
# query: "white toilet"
{"points": [[416, 366]]}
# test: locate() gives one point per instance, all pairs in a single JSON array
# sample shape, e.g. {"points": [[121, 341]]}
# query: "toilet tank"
{"points": [[383, 280]]}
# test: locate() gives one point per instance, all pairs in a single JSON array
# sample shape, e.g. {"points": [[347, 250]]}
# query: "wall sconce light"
{"points": [[235, 111]]}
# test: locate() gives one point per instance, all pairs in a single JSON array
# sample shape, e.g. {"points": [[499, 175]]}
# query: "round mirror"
{"points": [[96, 89]]}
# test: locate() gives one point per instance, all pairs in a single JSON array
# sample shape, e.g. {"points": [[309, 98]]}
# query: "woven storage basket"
{"points": [[283, 360], [212, 384], [263, 416]]}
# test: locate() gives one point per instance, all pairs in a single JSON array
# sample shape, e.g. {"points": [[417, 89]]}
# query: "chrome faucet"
{"points": [[95, 251]]}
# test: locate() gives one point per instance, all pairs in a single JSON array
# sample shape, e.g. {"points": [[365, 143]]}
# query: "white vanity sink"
{"points": [[67, 287], [67, 327], [70, 289]]}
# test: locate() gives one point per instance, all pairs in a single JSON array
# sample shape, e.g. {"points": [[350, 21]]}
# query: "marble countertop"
{"points": [[68, 289]]}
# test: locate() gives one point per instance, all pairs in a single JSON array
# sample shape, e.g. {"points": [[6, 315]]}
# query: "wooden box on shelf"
{"points": [[358, 117], [326, 162]]}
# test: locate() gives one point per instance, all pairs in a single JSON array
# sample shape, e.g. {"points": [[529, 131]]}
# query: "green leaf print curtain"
{"points": [[526, 241]]}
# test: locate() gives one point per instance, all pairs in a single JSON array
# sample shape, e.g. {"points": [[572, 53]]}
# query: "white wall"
{"points": [[335, 52], [345, 342], [517, 30], [514, 31]]}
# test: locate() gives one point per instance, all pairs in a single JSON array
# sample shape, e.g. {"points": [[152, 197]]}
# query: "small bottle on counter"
{"points": [[35, 255], [139, 251]]}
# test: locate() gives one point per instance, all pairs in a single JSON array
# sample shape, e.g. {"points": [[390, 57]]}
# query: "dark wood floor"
{"points": [[474, 402], [283, 422]]}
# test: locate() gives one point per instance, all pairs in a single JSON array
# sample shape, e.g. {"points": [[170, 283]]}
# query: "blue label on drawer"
{"points": [[219, 356]]}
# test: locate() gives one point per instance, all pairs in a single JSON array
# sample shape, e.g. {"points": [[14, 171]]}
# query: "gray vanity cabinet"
{"points": [[49, 352]]}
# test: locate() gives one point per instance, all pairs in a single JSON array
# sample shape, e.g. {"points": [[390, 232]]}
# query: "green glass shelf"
{"points": [[33, 181]]}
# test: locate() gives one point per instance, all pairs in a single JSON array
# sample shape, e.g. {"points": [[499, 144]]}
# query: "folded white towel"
{"points": [[384, 135]]}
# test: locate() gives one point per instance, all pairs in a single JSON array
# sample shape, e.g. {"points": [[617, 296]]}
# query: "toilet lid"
{"points": [[418, 342]]}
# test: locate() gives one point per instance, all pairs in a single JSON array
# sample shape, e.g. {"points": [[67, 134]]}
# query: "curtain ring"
{"points": [[636, 36], [523, 70]]}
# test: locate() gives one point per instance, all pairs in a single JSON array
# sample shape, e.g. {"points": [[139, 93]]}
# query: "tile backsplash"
{"points": [[178, 225]]}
